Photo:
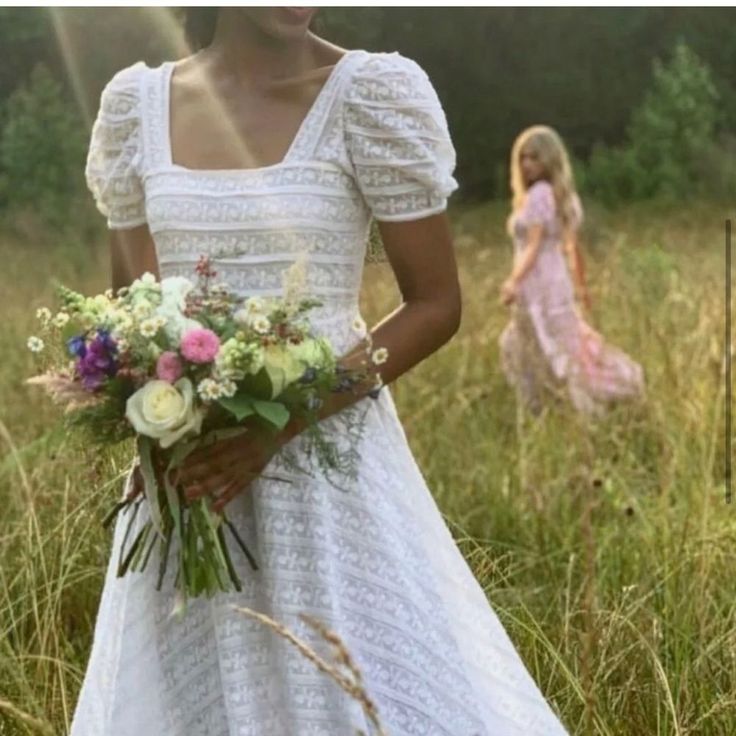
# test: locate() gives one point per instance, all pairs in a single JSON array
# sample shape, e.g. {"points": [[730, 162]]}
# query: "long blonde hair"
{"points": [[552, 154]]}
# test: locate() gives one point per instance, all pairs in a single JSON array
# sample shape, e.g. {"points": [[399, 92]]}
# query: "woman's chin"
{"points": [[281, 23]]}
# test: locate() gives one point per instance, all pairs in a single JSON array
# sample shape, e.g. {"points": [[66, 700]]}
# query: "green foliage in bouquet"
{"points": [[178, 365]]}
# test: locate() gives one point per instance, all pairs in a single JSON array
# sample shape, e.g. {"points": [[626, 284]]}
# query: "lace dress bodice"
{"points": [[374, 143]]}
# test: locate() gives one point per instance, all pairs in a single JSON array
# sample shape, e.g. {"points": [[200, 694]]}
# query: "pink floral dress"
{"points": [[547, 348]]}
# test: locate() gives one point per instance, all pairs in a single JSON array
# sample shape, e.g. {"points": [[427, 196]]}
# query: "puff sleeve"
{"points": [[540, 207], [114, 154], [397, 139]]}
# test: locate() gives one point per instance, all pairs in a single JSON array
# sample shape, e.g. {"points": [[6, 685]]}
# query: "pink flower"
{"points": [[199, 345], [169, 367]]}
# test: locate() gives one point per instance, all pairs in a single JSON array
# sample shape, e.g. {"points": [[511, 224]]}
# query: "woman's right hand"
{"points": [[509, 290]]}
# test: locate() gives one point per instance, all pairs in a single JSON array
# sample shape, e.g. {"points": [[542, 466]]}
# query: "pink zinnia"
{"points": [[199, 345], [169, 367]]}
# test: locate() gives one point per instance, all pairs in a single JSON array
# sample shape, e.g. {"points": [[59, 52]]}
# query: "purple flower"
{"points": [[97, 360], [76, 346]]}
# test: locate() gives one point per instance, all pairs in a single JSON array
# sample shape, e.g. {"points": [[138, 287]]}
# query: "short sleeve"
{"points": [[397, 139], [540, 207], [113, 158]]}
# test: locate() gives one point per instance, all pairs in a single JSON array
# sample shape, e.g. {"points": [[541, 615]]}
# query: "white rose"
{"points": [[163, 411]]}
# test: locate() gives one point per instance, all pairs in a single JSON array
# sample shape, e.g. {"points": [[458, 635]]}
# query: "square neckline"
{"points": [[168, 70]]}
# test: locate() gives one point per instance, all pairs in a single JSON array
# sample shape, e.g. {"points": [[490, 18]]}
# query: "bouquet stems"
{"points": [[204, 564]]}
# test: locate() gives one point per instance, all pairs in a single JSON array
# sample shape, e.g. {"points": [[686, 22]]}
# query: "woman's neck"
{"points": [[247, 52]]}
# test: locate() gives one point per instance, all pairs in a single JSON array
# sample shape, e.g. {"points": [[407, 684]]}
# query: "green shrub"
{"points": [[42, 149], [670, 135]]}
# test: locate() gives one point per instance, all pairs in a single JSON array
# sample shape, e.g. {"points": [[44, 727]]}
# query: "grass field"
{"points": [[607, 549]]}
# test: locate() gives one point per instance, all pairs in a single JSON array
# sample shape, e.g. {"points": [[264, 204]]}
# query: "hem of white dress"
{"points": [[410, 216]]}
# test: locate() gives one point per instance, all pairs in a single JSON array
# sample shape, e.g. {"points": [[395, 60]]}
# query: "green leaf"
{"points": [[150, 486], [273, 412], [240, 405]]}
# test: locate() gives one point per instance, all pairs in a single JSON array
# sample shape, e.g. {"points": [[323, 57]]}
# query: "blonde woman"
{"points": [[547, 348]]}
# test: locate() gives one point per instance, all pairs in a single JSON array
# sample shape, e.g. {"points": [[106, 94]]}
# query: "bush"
{"points": [[42, 149], [669, 136]]}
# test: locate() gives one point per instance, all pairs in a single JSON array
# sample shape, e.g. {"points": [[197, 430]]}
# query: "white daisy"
{"points": [[35, 344], [254, 305], [142, 309], [379, 356], [209, 389], [149, 327], [228, 387], [44, 315], [261, 324], [61, 319]]}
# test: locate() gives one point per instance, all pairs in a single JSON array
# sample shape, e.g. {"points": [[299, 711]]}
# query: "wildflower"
{"points": [[359, 324], [76, 346], [61, 319], [43, 314], [380, 356], [142, 309], [228, 387], [97, 361], [261, 325], [209, 389], [35, 344], [149, 328]]}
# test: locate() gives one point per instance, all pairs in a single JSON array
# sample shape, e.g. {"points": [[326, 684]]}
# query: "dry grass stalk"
{"points": [[352, 684], [36, 724], [63, 389]]}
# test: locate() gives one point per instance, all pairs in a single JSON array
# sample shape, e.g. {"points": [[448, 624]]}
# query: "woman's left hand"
{"points": [[508, 291], [227, 468]]}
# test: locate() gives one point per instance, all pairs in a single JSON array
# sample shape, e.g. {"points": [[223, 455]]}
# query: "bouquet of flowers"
{"points": [[176, 365]]}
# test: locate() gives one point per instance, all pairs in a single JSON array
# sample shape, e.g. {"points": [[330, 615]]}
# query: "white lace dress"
{"points": [[375, 562]]}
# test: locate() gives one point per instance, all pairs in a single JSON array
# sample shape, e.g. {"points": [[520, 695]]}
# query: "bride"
{"points": [[268, 143]]}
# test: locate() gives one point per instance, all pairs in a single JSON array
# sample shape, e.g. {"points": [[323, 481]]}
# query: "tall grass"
{"points": [[606, 548]]}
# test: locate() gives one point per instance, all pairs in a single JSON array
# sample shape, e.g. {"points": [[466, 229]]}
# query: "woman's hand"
{"points": [[226, 468], [222, 469], [509, 290]]}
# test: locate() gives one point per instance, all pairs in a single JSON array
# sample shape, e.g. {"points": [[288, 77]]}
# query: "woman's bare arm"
{"points": [[577, 267], [132, 253], [421, 256], [529, 254]]}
